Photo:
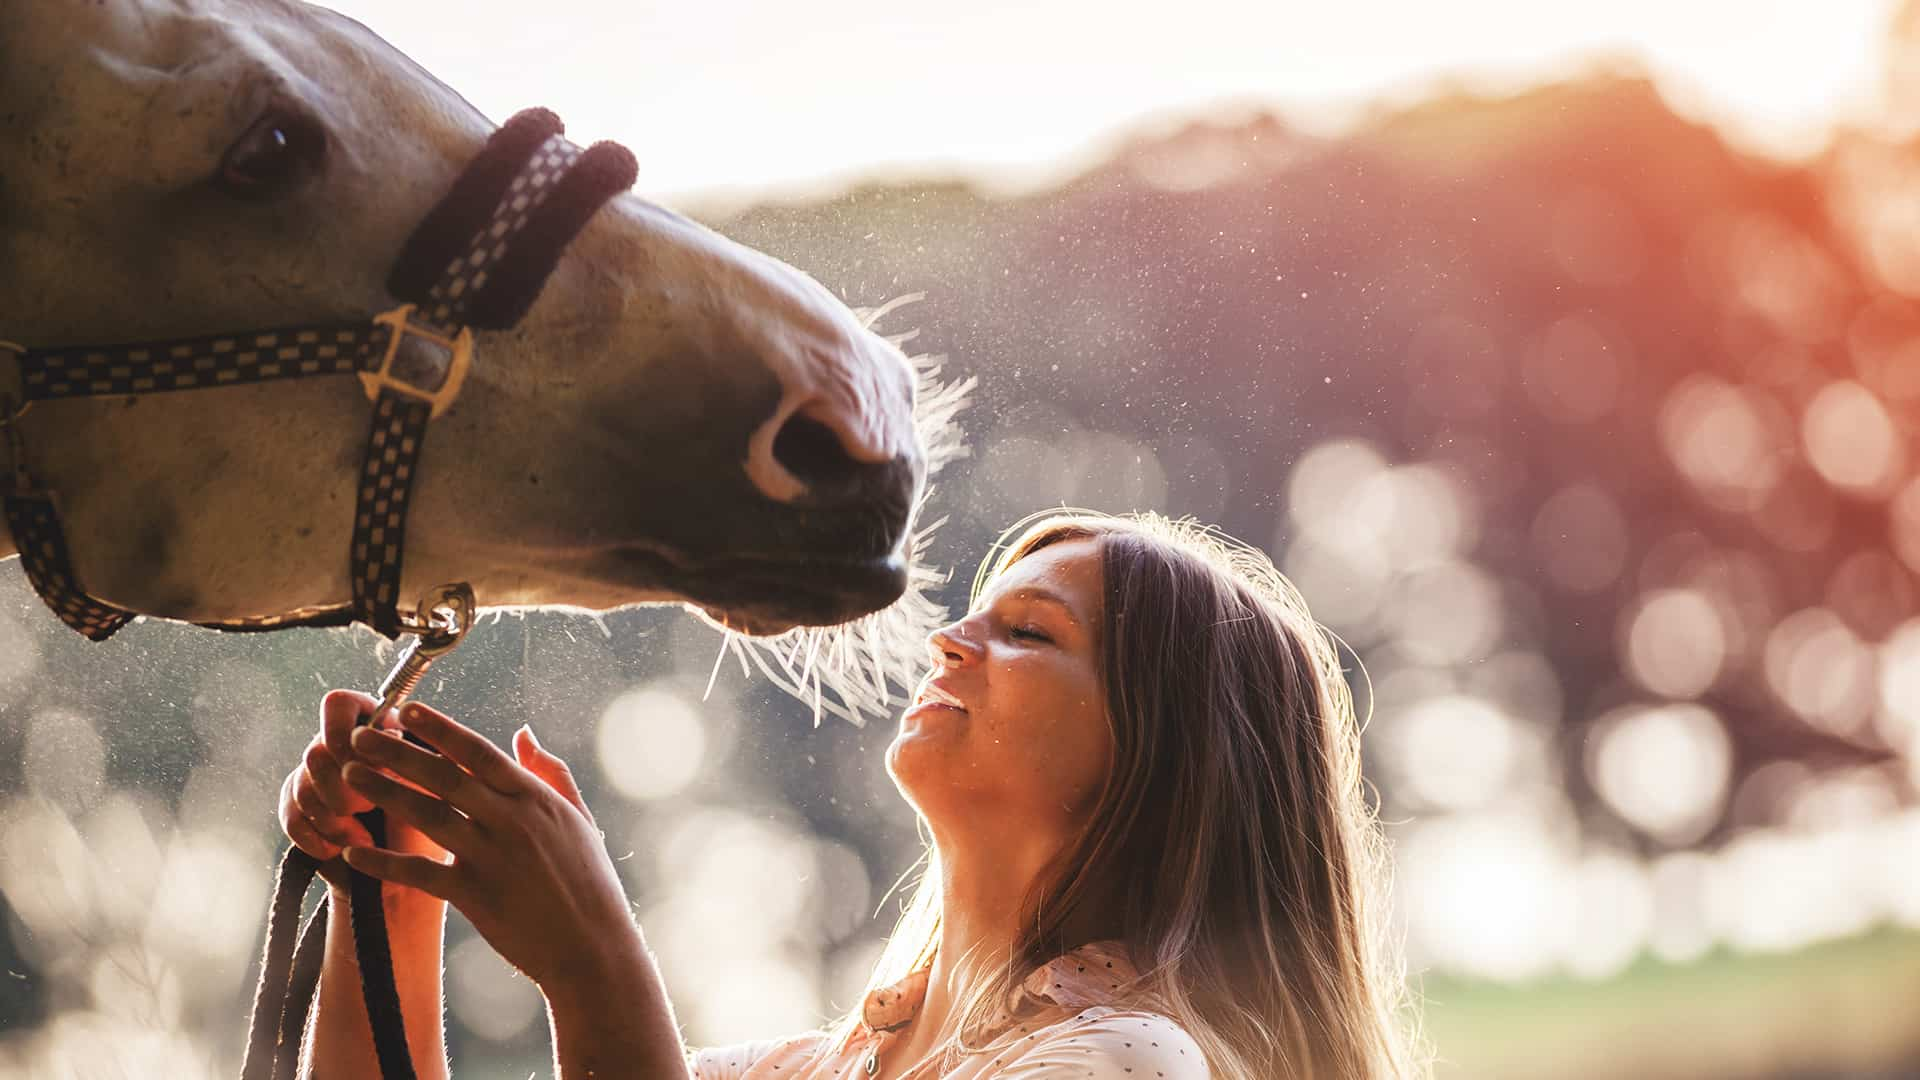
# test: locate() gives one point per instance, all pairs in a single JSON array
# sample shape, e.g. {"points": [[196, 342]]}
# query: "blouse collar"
{"points": [[1089, 975]]}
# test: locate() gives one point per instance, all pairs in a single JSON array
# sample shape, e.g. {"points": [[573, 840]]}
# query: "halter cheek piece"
{"points": [[477, 261]]}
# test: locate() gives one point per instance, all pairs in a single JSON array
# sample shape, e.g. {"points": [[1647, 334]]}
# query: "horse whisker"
{"points": [[850, 670]]}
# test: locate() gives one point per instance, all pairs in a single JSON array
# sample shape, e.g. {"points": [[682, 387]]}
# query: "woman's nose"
{"points": [[950, 647]]}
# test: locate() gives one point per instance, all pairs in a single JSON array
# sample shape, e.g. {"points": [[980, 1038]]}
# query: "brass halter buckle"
{"points": [[458, 350]]}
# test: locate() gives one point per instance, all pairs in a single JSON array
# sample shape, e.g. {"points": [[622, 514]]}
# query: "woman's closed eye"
{"points": [[1028, 633]]}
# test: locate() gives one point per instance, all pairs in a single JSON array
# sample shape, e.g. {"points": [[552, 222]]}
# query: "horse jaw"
{"points": [[612, 449]]}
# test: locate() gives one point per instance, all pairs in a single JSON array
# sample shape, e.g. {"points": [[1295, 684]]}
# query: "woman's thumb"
{"points": [[550, 769]]}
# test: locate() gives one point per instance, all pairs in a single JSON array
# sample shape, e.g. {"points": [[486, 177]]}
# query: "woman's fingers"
{"points": [[301, 799], [465, 747], [416, 871], [548, 767], [434, 773], [439, 821], [323, 769], [308, 802], [300, 827], [340, 713], [308, 838]]}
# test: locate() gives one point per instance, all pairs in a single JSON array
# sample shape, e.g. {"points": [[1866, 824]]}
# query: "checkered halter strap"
{"points": [[477, 261]]}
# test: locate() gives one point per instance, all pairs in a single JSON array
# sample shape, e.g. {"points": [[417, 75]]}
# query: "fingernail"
{"points": [[531, 737]]}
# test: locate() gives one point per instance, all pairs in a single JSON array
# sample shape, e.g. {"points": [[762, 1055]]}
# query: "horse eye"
{"points": [[277, 150]]}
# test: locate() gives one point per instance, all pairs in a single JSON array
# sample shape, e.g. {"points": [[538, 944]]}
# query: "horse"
{"points": [[667, 416], [677, 418]]}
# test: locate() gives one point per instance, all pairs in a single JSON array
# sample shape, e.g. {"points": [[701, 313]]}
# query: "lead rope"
{"points": [[289, 976]]}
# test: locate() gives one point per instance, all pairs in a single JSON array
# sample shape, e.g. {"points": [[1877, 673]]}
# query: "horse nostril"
{"points": [[813, 453]]}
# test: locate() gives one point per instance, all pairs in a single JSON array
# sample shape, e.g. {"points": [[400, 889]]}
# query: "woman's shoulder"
{"points": [[731, 1062], [1103, 1042]]}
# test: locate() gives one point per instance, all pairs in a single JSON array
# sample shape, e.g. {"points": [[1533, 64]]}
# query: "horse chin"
{"points": [[800, 593], [745, 622], [762, 596]]}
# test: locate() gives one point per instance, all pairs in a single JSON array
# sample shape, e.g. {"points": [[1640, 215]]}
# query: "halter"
{"points": [[476, 261]]}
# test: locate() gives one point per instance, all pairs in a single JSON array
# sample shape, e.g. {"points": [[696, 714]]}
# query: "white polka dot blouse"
{"points": [[1068, 1026]]}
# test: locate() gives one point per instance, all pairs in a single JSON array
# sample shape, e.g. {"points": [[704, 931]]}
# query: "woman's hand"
{"points": [[528, 869], [317, 806]]}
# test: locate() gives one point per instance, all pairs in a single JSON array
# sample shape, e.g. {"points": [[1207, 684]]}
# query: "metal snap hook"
{"points": [[438, 623]]}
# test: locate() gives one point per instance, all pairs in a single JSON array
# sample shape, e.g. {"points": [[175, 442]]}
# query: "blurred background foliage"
{"points": [[1590, 434]]}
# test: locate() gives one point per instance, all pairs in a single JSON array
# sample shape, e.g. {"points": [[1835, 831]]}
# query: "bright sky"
{"points": [[732, 97]]}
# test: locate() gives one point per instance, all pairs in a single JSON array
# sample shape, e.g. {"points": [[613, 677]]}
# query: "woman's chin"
{"points": [[918, 732], [924, 747]]}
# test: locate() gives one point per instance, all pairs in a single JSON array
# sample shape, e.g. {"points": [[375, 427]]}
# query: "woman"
{"points": [[1150, 855]]}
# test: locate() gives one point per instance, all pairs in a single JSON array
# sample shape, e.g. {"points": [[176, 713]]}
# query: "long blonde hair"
{"points": [[1250, 870]]}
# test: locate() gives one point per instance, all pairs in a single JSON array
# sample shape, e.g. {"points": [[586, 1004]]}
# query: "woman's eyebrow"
{"points": [[1045, 596]]}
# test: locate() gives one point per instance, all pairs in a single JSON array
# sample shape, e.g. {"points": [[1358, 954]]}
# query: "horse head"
{"points": [[676, 418]]}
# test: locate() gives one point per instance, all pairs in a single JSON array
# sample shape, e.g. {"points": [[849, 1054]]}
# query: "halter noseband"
{"points": [[476, 261]]}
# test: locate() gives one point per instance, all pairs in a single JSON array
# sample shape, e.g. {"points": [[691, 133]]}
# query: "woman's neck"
{"points": [[984, 889]]}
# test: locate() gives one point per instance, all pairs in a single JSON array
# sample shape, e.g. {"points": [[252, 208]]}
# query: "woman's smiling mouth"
{"points": [[932, 697]]}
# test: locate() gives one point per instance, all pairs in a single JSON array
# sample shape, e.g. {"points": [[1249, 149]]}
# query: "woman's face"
{"points": [[1012, 720]]}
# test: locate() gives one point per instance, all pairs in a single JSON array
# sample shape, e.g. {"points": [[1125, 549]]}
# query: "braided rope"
{"points": [[297, 870], [368, 915], [308, 958]]}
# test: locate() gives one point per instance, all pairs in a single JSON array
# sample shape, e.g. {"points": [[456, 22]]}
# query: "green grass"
{"points": [[1843, 1006]]}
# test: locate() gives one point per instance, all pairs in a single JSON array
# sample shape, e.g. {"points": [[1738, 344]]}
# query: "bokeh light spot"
{"points": [[1674, 642], [1721, 440], [1821, 670], [1851, 441], [650, 743], [489, 997], [1899, 685], [1446, 613], [1664, 769], [1493, 892], [1452, 752]]}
